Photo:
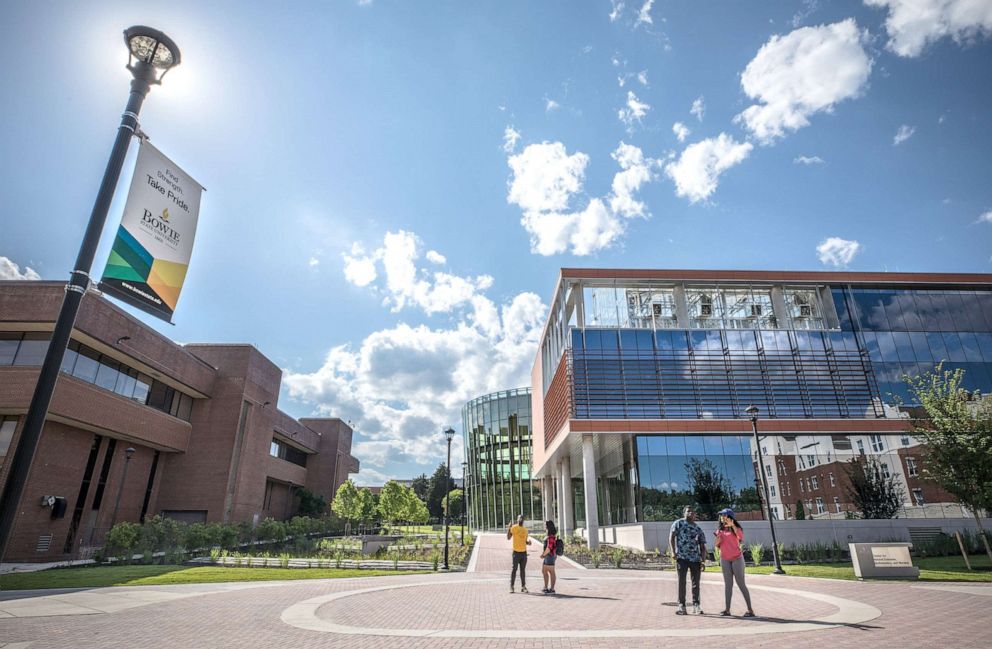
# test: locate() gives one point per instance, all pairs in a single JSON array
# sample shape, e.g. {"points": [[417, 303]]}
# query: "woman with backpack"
{"points": [[552, 548], [729, 536]]}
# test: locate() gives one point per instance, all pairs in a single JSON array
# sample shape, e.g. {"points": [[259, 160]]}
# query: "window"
{"points": [[816, 482], [7, 427], [861, 447], [912, 470], [877, 444], [801, 487], [771, 488], [837, 504], [788, 489], [8, 347], [811, 460], [768, 472], [918, 497], [819, 506], [32, 349], [904, 440], [284, 451], [885, 471], [274, 448], [833, 482]]}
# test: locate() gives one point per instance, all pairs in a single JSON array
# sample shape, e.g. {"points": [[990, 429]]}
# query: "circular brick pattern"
{"points": [[590, 607]]}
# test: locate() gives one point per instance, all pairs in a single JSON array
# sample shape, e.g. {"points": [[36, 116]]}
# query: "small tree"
{"points": [[122, 539], [311, 503], [800, 511], [347, 504], [368, 505], [877, 495], [392, 502], [457, 499], [958, 434], [414, 509]]}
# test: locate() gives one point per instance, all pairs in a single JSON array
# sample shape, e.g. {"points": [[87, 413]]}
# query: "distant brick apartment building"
{"points": [[209, 442]]}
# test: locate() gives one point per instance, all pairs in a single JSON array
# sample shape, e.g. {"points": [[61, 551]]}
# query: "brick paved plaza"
{"points": [[593, 608]]}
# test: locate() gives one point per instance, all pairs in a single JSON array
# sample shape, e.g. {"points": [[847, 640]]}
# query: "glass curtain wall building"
{"points": [[642, 379], [498, 478]]}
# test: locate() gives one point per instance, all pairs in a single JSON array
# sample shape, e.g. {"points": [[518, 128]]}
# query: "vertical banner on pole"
{"points": [[149, 258]]}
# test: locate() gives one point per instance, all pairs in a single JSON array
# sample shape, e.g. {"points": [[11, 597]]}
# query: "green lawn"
{"points": [[91, 577], [931, 569]]}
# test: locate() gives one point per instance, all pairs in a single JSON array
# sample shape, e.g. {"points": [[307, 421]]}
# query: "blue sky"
{"points": [[392, 186]]}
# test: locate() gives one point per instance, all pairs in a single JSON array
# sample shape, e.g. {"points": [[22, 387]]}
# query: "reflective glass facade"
{"points": [[497, 435]]}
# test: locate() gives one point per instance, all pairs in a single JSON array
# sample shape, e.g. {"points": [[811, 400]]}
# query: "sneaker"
{"points": [[511, 590], [696, 610], [725, 613], [551, 591], [680, 610], [523, 589], [749, 614]]}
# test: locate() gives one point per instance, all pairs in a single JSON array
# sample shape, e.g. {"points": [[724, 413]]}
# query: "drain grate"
{"points": [[44, 542]]}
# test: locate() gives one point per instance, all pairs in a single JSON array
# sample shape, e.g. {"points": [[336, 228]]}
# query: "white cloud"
{"points": [[545, 178], [403, 384], [405, 284], [681, 131], [808, 160], [807, 71], [698, 108], [644, 15], [550, 105], [904, 133], [837, 252], [622, 80], [617, 9], [435, 257], [510, 138], [370, 477], [634, 111], [984, 218], [914, 24], [698, 169], [313, 262], [10, 270], [642, 77]]}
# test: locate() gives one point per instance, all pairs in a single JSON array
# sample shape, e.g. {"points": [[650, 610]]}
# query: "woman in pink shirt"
{"points": [[729, 536]]}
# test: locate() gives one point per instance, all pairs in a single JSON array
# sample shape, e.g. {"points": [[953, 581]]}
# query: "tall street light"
{"points": [[128, 452], [752, 411], [151, 54], [449, 434]]}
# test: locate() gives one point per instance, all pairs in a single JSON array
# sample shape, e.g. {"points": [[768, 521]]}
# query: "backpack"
{"points": [[559, 547]]}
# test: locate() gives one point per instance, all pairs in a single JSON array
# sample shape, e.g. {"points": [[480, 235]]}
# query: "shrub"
{"points": [[757, 551], [284, 560], [799, 552], [597, 558], [338, 557], [617, 556], [122, 539], [396, 563], [271, 530], [435, 559], [781, 550]]}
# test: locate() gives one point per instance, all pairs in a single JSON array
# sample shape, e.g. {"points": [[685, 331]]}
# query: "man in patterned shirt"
{"points": [[688, 543]]}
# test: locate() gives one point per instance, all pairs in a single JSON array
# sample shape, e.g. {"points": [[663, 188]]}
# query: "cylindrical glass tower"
{"points": [[498, 486]]}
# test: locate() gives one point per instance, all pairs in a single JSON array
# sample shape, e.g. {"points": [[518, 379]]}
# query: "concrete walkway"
{"points": [[593, 608]]}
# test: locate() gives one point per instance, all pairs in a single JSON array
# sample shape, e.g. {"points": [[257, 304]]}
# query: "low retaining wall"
{"points": [[653, 535]]}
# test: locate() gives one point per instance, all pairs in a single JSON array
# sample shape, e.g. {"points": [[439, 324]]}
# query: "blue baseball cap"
{"points": [[727, 512]]}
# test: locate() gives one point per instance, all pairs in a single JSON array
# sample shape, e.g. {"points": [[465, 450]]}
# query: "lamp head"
{"points": [[449, 434], [150, 50], [752, 411], [128, 452]]}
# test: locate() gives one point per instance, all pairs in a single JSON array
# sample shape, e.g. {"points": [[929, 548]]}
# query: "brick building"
{"points": [[209, 442]]}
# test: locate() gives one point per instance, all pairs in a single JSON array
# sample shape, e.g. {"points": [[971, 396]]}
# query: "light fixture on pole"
{"points": [[151, 54], [752, 412], [128, 452], [449, 434]]}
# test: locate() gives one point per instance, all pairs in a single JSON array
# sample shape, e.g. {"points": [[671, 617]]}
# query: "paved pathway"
{"points": [[594, 608]]}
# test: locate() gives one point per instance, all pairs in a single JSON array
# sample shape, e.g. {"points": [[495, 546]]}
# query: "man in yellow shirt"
{"points": [[520, 542]]}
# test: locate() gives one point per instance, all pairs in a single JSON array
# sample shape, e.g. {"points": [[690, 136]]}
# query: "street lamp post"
{"points": [[752, 411], [128, 452], [151, 54], [449, 434], [464, 498]]}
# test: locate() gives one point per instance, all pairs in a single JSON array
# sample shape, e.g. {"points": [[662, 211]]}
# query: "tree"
{"points": [[877, 495], [421, 485], [800, 511], [457, 499], [347, 504], [368, 506], [414, 510], [311, 503], [439, 486], [393, 501], [957, 432], [710, 489]]}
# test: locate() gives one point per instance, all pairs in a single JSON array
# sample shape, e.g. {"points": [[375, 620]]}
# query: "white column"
{"points": [[547, 495], [589, 483], [567, 521]]}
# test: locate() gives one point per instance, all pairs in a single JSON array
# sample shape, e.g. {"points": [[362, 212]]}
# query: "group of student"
{"points": [[688, 543]]}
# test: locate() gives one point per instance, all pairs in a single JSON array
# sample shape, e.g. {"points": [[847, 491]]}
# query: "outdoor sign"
{"points": [[883, 560], [150, 255]]}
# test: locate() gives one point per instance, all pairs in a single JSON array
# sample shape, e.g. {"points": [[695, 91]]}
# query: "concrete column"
{"points": [[567, 524], [589, 483], [630, 502], [547, 496], [606, 502]]}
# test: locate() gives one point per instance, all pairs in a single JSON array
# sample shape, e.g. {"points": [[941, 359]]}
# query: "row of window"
{"points": [[87, 364], [284, 451], [913, 310]]}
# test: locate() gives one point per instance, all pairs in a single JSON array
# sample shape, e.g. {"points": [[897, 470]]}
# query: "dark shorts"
{"points": [[550, 560]]}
